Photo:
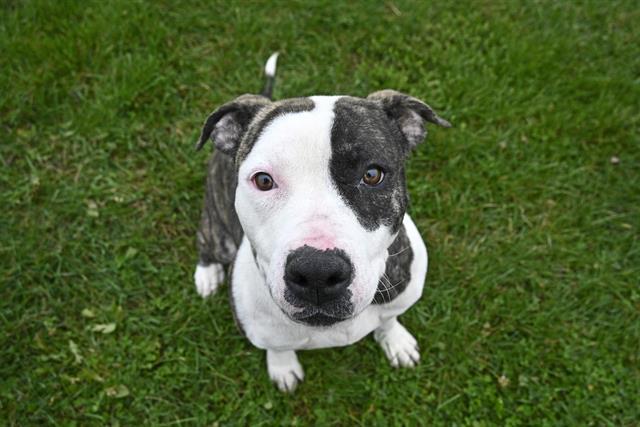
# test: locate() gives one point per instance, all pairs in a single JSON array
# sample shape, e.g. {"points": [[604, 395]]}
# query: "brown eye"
{"points": [[263, 181], [373, 176]]}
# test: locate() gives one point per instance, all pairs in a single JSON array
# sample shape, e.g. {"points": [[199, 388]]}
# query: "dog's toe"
{"points": [[208, 278], [284, 370], [400, 347], [407, 357], [286, 381]]}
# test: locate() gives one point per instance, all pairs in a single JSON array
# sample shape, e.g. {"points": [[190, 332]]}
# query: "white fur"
{"points": [[270, 66], [284, 369], [208, 279], [398, 344]]}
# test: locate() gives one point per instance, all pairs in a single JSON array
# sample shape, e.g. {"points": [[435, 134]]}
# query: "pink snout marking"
{"points": [[319, 242]]}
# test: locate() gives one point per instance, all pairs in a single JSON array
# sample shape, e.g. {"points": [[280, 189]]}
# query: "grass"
{"points": [[531, 314]]}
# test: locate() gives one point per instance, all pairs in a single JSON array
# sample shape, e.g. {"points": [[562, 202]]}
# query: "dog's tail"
{"points": [[270, 73]]}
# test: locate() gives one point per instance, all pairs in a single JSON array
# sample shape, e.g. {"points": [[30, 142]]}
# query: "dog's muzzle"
{"points": [[318, 283]]}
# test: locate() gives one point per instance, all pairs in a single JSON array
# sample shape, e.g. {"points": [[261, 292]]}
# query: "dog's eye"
{"points": [[263, 181], [373, 176]]}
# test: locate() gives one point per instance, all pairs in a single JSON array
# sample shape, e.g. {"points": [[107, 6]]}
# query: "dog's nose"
{"points": [[317, 276]]}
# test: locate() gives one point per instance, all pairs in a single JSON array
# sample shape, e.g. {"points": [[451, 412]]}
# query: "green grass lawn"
{"points": [[531, 312]]}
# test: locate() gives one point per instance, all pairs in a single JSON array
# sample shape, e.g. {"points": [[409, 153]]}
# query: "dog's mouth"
{"points": [[318, 319], [324, 314]]}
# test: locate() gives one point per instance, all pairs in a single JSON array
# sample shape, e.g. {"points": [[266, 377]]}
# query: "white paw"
{"points": [[208, 278], [399, 345], [284, 369]]}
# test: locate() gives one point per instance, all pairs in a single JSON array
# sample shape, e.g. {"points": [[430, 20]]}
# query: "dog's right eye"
{"points": [[263, 181]]}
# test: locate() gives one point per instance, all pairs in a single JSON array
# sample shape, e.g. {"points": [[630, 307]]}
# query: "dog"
{"points": [[305, 208]]}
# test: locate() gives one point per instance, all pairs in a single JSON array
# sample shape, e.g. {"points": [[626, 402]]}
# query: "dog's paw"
{"points": [[208, 278], [399, 345], [284, 369]]}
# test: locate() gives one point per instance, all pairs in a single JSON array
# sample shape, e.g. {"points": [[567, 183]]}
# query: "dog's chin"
{"points": [[320, 316], [318, 319]]}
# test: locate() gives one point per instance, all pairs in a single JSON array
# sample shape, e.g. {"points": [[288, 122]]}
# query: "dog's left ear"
{"points": [[226, 125], [409, 113]]}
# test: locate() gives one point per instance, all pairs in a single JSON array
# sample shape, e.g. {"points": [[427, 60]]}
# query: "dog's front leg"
{"points": [[220, 232], [398, 344], [208, 278], [284, 369]]}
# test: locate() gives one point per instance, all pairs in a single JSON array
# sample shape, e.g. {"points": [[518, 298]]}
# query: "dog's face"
{"points": [[321, 193]]}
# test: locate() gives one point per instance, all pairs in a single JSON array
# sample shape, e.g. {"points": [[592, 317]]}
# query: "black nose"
{"points": [[317, 276]]}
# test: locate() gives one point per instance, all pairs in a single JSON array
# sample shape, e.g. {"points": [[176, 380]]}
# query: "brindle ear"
{"points": [[409, 113], [226, 125]]}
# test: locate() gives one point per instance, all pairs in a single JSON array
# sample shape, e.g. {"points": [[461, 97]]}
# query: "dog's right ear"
{"points": [[226, 125]]}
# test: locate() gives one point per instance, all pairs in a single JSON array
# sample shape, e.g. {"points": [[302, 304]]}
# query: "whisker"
{"points": [[398, 253], [388, 287], [385, 285], [395, 285]]}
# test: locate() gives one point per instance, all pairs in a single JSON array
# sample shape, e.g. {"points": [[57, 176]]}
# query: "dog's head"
{"points": [[321, 192]]}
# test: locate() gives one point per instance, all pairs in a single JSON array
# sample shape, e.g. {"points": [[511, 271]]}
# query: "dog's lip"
{"points": [[308, 310], [320, 313], [308, 314], [319, 319]]}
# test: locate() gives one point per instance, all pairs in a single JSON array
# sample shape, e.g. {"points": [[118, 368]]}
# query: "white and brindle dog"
{"points": [[306, 200]]}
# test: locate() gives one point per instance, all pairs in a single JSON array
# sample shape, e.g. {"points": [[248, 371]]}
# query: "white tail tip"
{"points": [[270, 66]]}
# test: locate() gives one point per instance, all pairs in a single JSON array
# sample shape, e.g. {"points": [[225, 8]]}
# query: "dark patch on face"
{"points": [[363, 135], [397, 272], [266, 116]]}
